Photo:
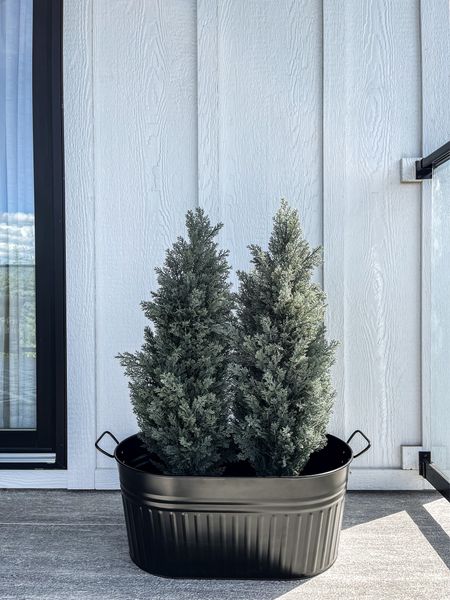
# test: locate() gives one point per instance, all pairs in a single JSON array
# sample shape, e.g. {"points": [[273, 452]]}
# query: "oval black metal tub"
{"points": [[234, 526]]}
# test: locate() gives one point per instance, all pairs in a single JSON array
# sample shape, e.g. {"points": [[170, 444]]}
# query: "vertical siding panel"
{"points": [[335, 68], [380, 106], [208, 107], [145, 94], [435, 37], [270, 118], [80, 241]]}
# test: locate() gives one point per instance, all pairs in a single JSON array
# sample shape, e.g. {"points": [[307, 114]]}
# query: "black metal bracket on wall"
{"points": [[425, 166], [433, 475]]}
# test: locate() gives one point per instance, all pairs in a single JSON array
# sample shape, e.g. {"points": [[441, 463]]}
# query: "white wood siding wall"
{"points": [[231, 104], [374, 79]]}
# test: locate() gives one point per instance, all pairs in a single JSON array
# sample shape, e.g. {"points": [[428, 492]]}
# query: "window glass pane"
{"points": [[440, 319], [17, 255]]}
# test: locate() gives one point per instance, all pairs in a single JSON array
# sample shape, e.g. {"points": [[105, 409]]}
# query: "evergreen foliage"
{"points": [[179, 380], [282, 390]]}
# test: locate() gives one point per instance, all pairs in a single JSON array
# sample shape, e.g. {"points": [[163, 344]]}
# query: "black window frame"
{"points": [[48, 146]]}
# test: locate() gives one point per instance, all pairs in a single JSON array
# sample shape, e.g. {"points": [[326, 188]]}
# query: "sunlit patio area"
{"points": [[67, 545]]}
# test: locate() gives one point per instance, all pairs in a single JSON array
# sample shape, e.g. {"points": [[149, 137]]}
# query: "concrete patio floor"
{"points": [[67, 545]]}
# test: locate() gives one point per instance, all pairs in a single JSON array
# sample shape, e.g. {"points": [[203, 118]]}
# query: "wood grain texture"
{"points": [[107, 479], [42, 479], [145, 104], [80, 246], [435, 41], [231, 105], [335, 68], [270, 118], [208, 107], [435, 37], [381, 109]]}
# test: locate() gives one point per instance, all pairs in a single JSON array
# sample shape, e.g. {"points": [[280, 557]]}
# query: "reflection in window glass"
{"points": [[17, 256], [440, 319]]}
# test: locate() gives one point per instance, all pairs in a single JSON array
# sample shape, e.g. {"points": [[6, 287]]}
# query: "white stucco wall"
{"points": [[232, 104]]}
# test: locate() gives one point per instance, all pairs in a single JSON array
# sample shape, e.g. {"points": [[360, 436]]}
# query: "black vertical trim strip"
{"points": [[431, 472]]}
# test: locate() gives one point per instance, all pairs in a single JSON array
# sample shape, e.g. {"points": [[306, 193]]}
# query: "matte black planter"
{"points": [[234, 527]]}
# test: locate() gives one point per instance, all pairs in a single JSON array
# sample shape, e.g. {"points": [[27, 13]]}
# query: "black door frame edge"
{"points": [[48, 145]]}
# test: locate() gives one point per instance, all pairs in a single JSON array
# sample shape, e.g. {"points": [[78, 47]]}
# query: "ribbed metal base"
{"points": [[237, 545]]}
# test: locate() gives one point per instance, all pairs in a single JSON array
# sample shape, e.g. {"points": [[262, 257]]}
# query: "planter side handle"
{"points": [[101, 449], [365, 437]]}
